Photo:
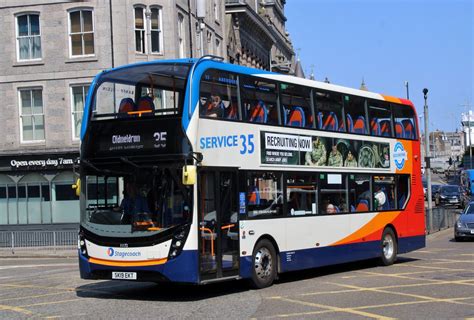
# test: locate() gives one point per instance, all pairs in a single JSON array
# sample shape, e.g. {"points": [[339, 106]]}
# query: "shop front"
{"points": [[35, 190]]}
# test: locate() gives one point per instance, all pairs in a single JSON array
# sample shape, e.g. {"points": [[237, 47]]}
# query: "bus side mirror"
{"points": [[77, 187], [189, 175]]}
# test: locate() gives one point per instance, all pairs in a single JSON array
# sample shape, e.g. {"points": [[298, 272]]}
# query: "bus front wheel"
{"points": [[388, 247], [263, 264]]}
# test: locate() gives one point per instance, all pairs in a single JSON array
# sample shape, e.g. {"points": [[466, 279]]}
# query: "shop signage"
{"points": [[38, 162]]}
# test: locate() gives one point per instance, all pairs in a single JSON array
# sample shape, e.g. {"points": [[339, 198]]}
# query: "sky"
{"points": [[428, 43]]}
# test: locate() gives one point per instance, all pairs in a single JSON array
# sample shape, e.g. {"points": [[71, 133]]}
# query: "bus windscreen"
{"points": [[141, 92]]}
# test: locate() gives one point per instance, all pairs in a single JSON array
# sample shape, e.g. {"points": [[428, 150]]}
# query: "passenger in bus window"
{"points": [[318, 156], [215, 107], [335, 157], [351, 160], [331, 209]]}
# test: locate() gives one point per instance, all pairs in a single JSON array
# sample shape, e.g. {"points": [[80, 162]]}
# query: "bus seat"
{"points": [[409, 129], [331, 122], [385, 128], [399, 131], [126, 105], [296, 117], [254, 196], [319, 125], [146, 103], [363, 205], [374, 127], [349, 123], [259, 113], [353, 209], [359, 125], [231, 111]]}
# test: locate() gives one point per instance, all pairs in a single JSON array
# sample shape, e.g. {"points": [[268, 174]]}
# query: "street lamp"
{"points": [[427, 162]]}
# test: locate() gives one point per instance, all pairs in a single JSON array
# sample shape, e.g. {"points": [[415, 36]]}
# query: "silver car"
{"points": [[464, 227]]}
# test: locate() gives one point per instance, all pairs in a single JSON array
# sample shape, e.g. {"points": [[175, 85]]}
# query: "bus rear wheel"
{"points": [[389, 247], [263, 264]]}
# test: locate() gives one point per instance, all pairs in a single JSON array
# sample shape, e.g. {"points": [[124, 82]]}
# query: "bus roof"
{"points": [[211, 63]]}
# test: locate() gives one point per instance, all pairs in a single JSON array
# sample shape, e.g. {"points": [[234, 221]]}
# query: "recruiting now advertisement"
{"points": [[287, 149]]}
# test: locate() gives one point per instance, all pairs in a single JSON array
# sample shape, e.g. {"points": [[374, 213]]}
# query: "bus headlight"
{"points": [[81, 245], [177, 243]]}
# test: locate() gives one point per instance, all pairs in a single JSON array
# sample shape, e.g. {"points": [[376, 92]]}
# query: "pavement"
{"points": [[436, 282]]}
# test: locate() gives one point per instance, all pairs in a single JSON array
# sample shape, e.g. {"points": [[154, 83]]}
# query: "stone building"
{"points": [[256, 35], [50, 52]]}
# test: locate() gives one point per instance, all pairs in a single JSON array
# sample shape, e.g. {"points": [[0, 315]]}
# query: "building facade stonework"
{"points": [[51, 50]]}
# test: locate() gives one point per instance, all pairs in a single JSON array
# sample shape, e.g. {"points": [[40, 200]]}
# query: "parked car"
{"points": [[449, 195], [464, 227]]}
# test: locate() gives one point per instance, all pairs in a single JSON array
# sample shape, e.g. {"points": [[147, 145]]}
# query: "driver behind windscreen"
{"points": [[133, 203]]}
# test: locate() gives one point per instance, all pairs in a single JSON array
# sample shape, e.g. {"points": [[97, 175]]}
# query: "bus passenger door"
{"points": [[218, 225]]}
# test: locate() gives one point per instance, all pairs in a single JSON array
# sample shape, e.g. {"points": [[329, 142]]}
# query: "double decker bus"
{"points": [[197, 171]]}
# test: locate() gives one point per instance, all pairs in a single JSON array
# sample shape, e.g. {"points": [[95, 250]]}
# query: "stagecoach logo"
{"points": [[399, 156], [111, 252]]}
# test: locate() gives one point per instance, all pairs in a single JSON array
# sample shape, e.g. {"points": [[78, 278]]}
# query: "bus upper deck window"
{"points": [[259, 101], [404, 125], [354, 108], [296, 102], [380, 119], [218, 95], [329, 111]]}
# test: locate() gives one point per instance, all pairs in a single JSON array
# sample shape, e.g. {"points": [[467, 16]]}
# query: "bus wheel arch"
{"points": [[388, 245], [265, 262]]}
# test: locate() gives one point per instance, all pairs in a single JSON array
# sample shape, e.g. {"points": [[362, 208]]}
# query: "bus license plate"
{"points": [[124, 275]]}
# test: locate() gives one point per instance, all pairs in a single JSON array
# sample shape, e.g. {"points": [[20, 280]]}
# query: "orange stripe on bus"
{"points": [[391, 99], [142, 263], [377, 223]]}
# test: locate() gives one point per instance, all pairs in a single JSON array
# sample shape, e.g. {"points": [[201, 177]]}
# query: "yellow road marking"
{"points": [[395, 304], [16, 309], [31, 297], [434, 268], [411, 295], [335, 309], [48, 303]]}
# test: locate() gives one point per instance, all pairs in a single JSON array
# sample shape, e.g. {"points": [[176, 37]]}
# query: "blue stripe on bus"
{"points": [[318, 257], [183, 268]]}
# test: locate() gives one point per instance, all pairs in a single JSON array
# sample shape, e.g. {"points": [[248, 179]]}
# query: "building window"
{"points": [[81, 32], [156, 36], [78, 100], [31, 115], [210, 49], [28, 37], [140, 29], [181, 35], [216, 10], [218, 47]]}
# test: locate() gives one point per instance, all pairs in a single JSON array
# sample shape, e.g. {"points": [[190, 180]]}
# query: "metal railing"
{"points": [[443, 218], [37, 242]]}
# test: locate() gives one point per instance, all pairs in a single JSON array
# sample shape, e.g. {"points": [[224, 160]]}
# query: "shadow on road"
{"points": [[146, 291]]}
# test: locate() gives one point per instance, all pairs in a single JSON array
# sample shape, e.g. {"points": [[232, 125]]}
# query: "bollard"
{"points": [[54, 242], [13, 243]]}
